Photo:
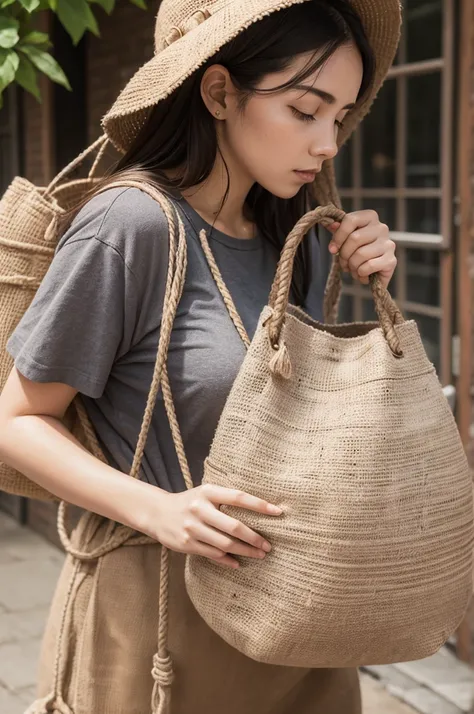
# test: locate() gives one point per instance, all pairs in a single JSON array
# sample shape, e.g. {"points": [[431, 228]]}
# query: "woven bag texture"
{"points": [[28, 238], [372, 559]]}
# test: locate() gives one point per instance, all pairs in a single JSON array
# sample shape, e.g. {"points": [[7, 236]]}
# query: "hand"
{"points": [[191, 522], [364, 246]]}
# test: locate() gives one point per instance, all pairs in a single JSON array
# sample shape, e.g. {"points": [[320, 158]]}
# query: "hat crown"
{"points": [[178, 17]]}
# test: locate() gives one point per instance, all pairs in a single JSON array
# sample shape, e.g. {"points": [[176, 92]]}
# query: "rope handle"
{"points": [[177, 262], [99, 145], [388, 313]]}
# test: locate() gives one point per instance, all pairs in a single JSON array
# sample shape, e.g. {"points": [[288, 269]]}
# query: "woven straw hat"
{"points": [[189, 32]]}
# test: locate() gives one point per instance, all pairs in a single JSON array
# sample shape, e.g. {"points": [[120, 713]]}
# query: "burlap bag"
{"points": [[29, 221], [347, 429]]}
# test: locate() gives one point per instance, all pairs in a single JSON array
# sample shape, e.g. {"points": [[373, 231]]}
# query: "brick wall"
{"points": [[125, 44], [32, 144]]}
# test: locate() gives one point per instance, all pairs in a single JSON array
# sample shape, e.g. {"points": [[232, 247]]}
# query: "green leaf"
{"points": [[107, 5], [76, 17], [26, 77], [9, 62], [140, 3], [47, 64], [6, 3], [53, 5], [8, 32], [36, 38], [30, 5]]}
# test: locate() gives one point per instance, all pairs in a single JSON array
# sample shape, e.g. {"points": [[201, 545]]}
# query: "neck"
{"points": [[206, 198]]}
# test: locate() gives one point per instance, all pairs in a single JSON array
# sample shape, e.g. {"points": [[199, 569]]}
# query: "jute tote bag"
{"points": [[347, 429]]}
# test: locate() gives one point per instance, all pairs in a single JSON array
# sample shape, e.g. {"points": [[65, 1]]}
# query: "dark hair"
{"points": [[180, 135]]}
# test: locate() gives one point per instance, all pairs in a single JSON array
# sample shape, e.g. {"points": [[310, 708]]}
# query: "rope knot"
{"points": [[280, 363], [162, 671]]}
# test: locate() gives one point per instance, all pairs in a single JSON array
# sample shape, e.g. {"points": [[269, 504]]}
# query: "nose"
{"points": [[324, 144]]}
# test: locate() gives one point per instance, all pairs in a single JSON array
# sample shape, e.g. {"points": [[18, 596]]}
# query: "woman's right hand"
{"points": [[192, 522]]}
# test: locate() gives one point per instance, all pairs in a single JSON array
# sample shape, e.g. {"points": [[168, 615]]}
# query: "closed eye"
{"points": [[310, 117], [301, 115]]}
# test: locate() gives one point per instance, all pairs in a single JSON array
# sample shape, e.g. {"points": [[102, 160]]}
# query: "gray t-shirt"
{"points": [[94, 325]]}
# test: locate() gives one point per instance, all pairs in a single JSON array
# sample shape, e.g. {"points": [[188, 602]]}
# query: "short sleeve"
{"points": [[85, 314]]}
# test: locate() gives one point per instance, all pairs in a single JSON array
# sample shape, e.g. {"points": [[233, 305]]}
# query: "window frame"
{"points": [[442, 242]]}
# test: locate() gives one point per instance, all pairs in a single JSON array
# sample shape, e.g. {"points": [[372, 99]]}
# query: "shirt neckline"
{"points": [[213, 234]]}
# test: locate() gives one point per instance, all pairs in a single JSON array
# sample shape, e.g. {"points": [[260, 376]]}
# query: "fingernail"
{"points": [[261, 554], [332, 248], [274, 509], [267, 547]]}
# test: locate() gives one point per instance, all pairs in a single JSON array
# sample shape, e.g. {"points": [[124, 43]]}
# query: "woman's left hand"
{"points": [[364, 246]]}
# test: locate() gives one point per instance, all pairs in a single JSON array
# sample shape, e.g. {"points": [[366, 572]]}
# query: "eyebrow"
{"points": [[325, 96]]}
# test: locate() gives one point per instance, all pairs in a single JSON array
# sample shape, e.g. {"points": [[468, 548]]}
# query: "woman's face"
{"points": [[280, 140]]}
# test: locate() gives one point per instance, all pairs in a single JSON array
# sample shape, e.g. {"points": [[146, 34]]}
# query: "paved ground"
{"points": [[28, 571]]}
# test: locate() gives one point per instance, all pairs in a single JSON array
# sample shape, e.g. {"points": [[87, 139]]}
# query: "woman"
{"points": [[241, 110]]}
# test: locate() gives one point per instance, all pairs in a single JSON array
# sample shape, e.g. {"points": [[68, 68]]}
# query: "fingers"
{"points": [[218, 556], [236, 530], [377, 249], [350, 223], [382, 266], [231, 497], [225, 543]]}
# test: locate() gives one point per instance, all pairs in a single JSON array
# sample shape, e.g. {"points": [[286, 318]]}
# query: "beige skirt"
{"points": [[98, 647]]}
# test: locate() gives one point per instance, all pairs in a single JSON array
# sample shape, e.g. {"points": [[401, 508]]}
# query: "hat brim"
{"points": [[168, 69]]}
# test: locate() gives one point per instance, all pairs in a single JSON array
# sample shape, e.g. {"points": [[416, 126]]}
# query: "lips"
{"points": [[306, 176]]}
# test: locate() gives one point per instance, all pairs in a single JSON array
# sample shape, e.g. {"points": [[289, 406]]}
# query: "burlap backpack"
{"points": [[29, 219]]}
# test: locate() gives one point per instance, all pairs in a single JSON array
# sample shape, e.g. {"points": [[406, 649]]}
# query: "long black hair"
{"points": [[179, 138]]}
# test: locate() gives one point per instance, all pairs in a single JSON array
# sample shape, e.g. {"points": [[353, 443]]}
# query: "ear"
{"points": [[216, 87]]}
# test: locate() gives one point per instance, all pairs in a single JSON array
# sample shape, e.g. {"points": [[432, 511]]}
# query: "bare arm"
{"points": [[35, 442]]}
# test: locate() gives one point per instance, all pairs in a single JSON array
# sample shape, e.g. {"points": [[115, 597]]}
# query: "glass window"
{"points": [[423, 276], [379, 140], [423, 215], [423, 130], [385, 207], [423, 23], [400, 166]]}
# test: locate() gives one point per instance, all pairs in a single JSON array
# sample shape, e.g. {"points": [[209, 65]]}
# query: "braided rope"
{"points": [[387, 310], [175, 430], [226, 296], [98, 158], [117, 536], [74, 164]]}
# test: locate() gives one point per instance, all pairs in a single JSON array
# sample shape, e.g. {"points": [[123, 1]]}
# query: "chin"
{"points": [[282, 191]]}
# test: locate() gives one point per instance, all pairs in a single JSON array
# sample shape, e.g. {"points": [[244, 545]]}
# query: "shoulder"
{"points": [[125, 220]]}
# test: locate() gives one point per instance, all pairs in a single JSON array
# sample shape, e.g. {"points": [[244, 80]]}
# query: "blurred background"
{"points": [[62, 63]]}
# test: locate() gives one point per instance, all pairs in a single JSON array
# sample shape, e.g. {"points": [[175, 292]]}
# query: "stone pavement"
{"points": [[29, 568]]}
